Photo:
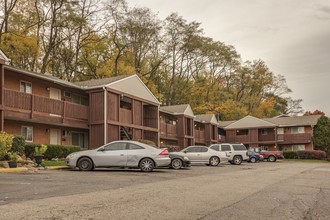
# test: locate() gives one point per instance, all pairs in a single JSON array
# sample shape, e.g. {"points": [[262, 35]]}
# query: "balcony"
{"points": [[168, 130], [27, 106], [199, 135], [294, 138], [267, 137], [125, 116]]}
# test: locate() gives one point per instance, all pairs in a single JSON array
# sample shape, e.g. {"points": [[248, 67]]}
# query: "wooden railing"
{"points": [[200, 135], [125, 116], [294, 138], [168, 130], [43, 105]]}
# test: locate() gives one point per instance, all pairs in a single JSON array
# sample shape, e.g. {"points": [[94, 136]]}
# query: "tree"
{"points": [[321, 134], [316, 112]]}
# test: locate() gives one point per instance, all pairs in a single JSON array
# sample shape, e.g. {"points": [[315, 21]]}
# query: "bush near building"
{"points": [[53, 151], [305, 154]]}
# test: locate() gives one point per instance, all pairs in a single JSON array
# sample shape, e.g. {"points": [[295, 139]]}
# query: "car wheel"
{"points": [[271, 158], [85, 164], [176, 163], [214, 161], [253, 160], [237, 160], [146, 165]]}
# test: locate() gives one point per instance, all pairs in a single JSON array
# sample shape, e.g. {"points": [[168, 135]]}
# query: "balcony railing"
{"points": [[38, 105], [168, 130], [199, 135], [294, 138]]}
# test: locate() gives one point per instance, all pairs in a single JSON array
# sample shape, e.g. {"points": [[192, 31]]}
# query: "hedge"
{"points": [[305, 154], [312, 154], [53, 151]]}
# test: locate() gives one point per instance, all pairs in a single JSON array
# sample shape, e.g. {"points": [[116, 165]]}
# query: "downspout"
{"points": [[105, 115]]}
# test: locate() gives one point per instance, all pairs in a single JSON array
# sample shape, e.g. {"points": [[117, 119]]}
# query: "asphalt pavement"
{"points": [[281, 190]]}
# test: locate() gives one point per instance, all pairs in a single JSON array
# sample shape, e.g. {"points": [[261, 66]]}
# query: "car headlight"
{"points": [[70, 156], [185, 158]]}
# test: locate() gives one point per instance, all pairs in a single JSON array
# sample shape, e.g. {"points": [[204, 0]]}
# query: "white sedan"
{"points": [[120, 154], [202, 154]]}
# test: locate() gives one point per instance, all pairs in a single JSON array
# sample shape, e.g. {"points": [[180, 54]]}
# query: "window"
{"points": [[242, 132], [239, 147], [225, 147], [264, 132], [134, 147], [203, 149], [280, 130], [27, 133], [78, 139], [192, 149], [82, 100], [170, 121], [298, 147], [215, 147], [26, 87], [125, 103], [115, 146], [67, 94], [297, 130]]}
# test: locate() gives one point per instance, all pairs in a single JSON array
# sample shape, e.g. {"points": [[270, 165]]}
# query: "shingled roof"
{"points": [[206, 118], [183, 109], [294, 121], [99, 82]]}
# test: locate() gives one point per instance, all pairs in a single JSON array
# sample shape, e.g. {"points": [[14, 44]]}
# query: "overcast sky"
{"points": [[291, 36]]}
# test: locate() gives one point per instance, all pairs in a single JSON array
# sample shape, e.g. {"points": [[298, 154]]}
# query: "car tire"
{"points": [[214, 161], [237, 160], [176, 163], [253, 160], [85, 164], [146, 165], [272, 158]]}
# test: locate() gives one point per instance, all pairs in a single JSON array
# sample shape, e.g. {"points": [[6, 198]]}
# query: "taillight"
{"points": [[164, 153]]}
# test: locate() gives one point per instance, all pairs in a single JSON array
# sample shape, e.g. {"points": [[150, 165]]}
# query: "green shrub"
{"points": [[6, 141], [290, 155], [59, 151], [40, 150], [18, 145], [312, 154], [29, 149]]}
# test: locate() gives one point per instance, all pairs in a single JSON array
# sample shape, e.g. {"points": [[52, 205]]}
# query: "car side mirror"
{"points": [[185, 151], [101, 149]]}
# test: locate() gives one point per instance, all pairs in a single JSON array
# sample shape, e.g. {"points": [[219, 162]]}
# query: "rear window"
{"points": [[239, 147]]}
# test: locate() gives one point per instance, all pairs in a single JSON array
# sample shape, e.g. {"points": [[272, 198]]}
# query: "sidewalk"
{"points": [[25, 169]]}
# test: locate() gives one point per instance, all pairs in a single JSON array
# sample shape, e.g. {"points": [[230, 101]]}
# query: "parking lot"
{"points": [[280, 190]]}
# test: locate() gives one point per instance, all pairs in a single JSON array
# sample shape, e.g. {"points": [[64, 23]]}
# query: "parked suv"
{"points": [[236, 152]]}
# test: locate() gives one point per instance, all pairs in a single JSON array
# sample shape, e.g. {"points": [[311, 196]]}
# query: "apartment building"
{"points": [[48, 110], [279, 133]]}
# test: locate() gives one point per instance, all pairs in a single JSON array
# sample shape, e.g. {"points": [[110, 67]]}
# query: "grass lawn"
{"points": [[49, 163], [307, 160]]}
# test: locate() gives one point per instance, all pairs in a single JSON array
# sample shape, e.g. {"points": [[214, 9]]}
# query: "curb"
{"points": [[56, 167], [13, 170]]}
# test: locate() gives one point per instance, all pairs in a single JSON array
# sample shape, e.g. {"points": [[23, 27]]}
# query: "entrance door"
{"points": [[55, 93], [55, 137]]}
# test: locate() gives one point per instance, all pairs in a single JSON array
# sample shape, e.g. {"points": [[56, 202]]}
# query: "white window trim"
{"points": [[27, 127], [20, 83]]}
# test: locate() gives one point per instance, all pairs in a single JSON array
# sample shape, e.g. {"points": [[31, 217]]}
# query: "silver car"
{"points": [[120, 154], [202, 154]]}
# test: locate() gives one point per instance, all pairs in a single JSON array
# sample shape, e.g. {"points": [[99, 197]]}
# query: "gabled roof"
{"points": [[183, 109], [97, 83], [250, 122], [294, 121], [4, 57], [223, 124], [47, 77], [206, 118]]}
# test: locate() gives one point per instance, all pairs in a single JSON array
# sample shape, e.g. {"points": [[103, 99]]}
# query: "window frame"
{"points": [[23, 82], [27, 131]]}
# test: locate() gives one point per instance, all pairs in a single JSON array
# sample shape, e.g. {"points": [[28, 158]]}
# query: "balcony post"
{"points": [[32, 106], [2, 84]]}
